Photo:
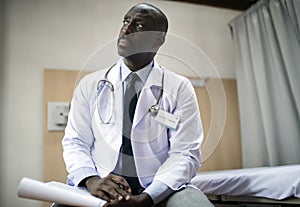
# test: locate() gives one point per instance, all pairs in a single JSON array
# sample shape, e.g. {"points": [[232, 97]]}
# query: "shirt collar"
{"points": [[142, 73]]}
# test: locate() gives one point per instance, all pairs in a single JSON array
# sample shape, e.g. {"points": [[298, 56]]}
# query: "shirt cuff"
{"points": [[158, 191], [78, 175]]}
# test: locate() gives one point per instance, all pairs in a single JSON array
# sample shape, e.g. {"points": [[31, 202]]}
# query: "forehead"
{"points": [[141, 11]]}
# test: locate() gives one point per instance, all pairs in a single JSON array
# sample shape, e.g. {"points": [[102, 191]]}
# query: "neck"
{"points": [[138, 61]]}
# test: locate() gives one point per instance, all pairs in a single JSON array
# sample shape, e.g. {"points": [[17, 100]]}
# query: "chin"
{"points": [[125, 52], [122, 52]]}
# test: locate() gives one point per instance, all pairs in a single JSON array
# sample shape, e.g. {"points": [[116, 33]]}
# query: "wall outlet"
{"points": [[58, 115]]}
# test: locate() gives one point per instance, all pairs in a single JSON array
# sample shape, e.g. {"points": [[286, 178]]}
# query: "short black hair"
{"points": [[160, 17]]}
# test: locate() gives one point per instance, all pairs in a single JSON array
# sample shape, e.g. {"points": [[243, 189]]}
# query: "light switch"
{"points": [[58, 115]]}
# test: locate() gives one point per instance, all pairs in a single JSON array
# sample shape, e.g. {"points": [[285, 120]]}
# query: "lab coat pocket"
{"points": [[158, 138]]}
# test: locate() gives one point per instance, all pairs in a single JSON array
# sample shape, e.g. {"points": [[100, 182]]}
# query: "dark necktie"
{"points": [[128, 166]]}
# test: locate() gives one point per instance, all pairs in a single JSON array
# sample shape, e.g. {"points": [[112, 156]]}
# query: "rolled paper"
{"points": [[57, 192]]}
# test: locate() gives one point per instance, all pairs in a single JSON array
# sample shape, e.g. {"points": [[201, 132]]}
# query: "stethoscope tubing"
{"points": [[105, 82]]}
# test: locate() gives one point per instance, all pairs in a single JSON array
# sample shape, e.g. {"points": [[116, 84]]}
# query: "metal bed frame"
{"points": [[251, 201]]}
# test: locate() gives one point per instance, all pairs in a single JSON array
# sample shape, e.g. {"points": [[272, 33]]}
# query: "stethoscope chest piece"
{"points": [[154, 109]]}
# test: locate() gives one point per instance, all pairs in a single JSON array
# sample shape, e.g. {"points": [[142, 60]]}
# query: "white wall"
{"points": [[61, 34]]}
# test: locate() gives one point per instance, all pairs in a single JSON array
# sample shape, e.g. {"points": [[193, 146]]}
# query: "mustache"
{"points": [[134, 36], [124, 37]]}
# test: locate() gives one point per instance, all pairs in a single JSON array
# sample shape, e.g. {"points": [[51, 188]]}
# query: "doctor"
{"points": [[119, 149]]}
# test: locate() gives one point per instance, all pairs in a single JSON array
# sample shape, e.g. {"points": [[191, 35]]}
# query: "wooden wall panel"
{"points": [[58, 86], [227, 154]]}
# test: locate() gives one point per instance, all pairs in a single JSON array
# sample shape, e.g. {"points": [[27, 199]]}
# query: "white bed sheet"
{"points": [[270, 182]]}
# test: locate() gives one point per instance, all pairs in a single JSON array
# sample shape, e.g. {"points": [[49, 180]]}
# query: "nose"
{"points": [[127, 28]]}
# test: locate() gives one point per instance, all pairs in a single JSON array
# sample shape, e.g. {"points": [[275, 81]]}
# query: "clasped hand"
{"points": [[116, 191]]}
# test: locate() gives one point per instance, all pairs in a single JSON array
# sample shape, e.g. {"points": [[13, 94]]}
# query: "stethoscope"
{"points": [[105, 82]]}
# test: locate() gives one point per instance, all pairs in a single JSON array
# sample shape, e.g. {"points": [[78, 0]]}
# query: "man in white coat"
{"points": [[143, 152]]}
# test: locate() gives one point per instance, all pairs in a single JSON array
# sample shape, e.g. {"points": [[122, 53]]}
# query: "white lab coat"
{"points": [[162, 154]]}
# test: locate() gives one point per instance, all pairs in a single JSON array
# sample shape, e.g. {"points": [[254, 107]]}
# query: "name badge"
{"points": [[167, 119]]}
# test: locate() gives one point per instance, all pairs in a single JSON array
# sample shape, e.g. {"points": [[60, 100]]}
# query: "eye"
{"points": [[125, 22], [139, 25]]}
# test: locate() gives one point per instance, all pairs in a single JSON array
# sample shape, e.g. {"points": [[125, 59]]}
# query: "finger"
{"points": [[121, 193], [115, 203], [121, 182], [102, 196], [120, 189], [113, 193], [106, 189]]}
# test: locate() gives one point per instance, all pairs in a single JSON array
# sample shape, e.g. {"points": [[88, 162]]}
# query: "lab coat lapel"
{"points": [[149, 94], [114, 77], [115, 124], [108, 136]]}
